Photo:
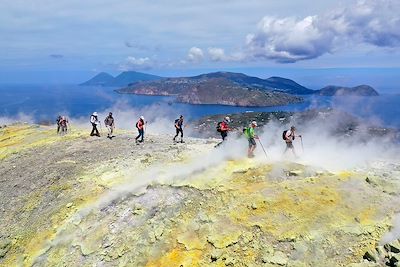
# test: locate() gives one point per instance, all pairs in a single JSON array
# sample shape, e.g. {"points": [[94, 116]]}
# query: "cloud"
{"points": [[135, 45], [133, 63], [56, 56], [291, 39], [218, 54], [195, 54]]}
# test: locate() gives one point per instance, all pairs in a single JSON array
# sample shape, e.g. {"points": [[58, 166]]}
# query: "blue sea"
{"points": [[45, 102]]}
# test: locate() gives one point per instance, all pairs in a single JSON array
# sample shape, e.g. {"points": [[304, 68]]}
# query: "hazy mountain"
{"points": [[287, 86], [101, 79], [123, 79], [129, 77], [361, 90], [272, 83]]}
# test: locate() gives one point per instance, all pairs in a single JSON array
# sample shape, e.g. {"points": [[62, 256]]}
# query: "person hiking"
{"points": [[289, 136], [179, 128], [58, 123], [251, 136], [223, 128], [94, 121], [140, 126], [109, 123], [64, 125]]}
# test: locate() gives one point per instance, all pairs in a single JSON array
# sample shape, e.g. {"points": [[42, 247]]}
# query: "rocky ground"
{"points": [[76, 200]]}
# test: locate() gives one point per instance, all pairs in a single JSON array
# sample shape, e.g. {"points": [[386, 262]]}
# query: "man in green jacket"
{"points": [[251, 136]]}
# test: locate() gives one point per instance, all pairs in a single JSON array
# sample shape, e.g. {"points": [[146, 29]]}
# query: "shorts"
{"points": [[289, 145], [252, 142]]}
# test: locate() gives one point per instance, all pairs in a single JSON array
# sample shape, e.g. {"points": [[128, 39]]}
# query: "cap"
{"points": [[227, 118], [254, 123], [94, 113], [141, 117]]}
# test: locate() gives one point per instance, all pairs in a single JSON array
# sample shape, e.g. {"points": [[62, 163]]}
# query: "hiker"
{"points": [[63, 124], [94, 121], [58, 123], [251, 136], [179, 128], [289, 136], [109, 123], [140, 126], [223, 128]]}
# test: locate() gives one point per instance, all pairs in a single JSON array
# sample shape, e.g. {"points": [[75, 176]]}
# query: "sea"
{"points": [[42, 103]]}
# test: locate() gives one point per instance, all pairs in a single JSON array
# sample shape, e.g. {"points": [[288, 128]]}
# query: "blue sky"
{"points": [[295, 38]]}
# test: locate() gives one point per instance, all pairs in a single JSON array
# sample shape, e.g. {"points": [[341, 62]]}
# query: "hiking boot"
{"points": [[182, 141]]}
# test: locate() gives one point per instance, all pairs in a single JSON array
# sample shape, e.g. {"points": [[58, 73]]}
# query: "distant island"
{"points": [[361, 90], [224, 88], [124, 79], [217, 88]]}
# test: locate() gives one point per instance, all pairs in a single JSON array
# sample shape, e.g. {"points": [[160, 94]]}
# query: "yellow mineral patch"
{"points": [[16, 138], [191, 240], [178, 257]]}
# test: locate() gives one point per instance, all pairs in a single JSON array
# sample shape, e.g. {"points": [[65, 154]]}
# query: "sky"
{"points": [[70, 40]]}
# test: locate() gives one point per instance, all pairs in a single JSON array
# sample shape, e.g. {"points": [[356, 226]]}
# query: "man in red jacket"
{"points": [[140, 126], [223, 128]]}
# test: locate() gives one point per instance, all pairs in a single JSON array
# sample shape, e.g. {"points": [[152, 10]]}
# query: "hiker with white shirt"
{"points": [[288, 136]]}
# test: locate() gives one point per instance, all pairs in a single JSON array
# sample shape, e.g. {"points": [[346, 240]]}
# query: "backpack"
{"points": [[219, 126], [246, 131], [284, 135]]}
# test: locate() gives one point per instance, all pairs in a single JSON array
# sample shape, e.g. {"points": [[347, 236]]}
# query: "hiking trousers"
{"points": [[179, 130], [94, 130], [110, 130], [224, 134], [140, 135]]}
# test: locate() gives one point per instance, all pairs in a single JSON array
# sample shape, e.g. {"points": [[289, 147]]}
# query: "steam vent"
{"points": [[82, 201]]}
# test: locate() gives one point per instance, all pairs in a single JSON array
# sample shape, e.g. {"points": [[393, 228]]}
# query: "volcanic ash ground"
{"points": [[76, 200]]}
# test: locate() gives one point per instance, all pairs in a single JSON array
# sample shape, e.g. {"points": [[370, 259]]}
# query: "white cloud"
{"points": [[217, 54], [195, 54], [290, 39], [133, 63]]}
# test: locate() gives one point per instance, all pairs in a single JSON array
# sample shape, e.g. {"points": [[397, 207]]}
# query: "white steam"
{"points": [[394, 232], [319, 145], [20, 117]]}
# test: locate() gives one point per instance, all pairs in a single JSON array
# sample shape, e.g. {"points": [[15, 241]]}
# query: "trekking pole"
{"points": [[263, 148], [302, 147]]}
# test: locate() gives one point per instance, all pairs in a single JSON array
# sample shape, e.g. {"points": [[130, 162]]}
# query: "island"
{"points": [[361, 90], [215, 88]]}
